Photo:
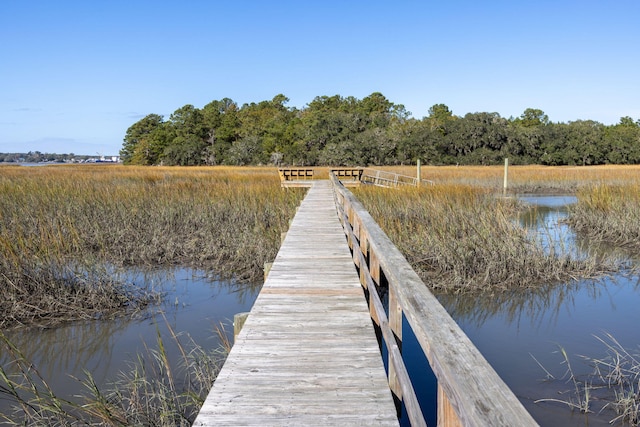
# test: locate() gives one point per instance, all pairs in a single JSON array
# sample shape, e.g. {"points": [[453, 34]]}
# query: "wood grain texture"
{"points": [[474, 392], [307, 354]]}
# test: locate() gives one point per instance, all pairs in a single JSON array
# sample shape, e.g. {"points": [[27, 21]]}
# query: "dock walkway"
{"points": [[307, 354]]}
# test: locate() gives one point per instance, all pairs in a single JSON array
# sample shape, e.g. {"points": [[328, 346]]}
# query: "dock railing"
{"points": [[470, 392], [292, 174], [345, 173], [389, 179], [295, 176]]}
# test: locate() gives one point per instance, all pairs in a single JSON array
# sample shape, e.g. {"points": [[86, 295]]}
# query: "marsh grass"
{"points": [[612, 386], [154, 391], [60, 226], [609, 214], [463, 239], [526, 179]]}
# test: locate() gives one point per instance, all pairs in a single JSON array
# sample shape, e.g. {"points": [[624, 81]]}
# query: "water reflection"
{"points": [[194, 305], [535, 305], [545, 222], [66, 347], [510, 328], [551, 202]]}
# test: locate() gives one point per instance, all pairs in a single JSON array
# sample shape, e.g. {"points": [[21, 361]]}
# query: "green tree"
{"points": [[188, 145], [245, 151], [523, 144], [533, 117], [440, 113], [622, 142], [138, 132], [325, 121], [375, 110], [188, 121], [627, 121], [221, 123], [184, 151], [150, 149], [439, 117], [417, 140], [462, 137], [268, 121], [584, 143]]}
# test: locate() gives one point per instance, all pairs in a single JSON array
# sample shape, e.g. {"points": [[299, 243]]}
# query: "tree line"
{"points": [[336, 130], [38, 157]]}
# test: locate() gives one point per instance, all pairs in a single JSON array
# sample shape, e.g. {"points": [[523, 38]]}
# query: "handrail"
{"points": [[390, 179], [379, 177], [292, 173], [398, 371], [353, 173], [470, 392]]}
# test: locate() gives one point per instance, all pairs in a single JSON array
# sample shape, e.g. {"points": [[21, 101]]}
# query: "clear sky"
{"points": [[74, 75]]}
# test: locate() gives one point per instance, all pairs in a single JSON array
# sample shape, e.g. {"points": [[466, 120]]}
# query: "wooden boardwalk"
{"points": [[307, 354]]}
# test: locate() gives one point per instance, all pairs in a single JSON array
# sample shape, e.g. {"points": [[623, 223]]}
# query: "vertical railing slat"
{"points": [[462, 373]]}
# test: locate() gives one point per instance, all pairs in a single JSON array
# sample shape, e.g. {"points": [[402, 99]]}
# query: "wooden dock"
{"points": [[349, 177], [307, 354]]}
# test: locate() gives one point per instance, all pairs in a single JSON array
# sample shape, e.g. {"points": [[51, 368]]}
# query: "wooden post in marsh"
{"points": [[506, 177], [418, 173]]}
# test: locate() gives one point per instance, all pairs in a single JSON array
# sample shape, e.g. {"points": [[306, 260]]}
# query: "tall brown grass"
{"points": [[526, 179], [63, 227], [462, 238], [609, 214]]}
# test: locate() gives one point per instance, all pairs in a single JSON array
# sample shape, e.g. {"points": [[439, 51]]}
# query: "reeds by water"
{"points": [[612, 387], [72, 224], [63, 228], [609, 214], [528, 179], [155, 391], [461, 238]]}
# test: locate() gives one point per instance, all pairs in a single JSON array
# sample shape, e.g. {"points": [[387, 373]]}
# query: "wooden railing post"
{"points": [[447, 416], [395, 324], [463, 375]]}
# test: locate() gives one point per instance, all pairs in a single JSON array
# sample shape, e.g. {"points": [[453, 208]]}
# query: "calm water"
{"points": [[511, 330], [195, 306]]}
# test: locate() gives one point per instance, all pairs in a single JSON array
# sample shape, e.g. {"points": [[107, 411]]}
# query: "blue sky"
{"points": [[74, 75]]}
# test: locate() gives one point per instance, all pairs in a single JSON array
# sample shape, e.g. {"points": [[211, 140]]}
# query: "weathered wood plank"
{"points": [[307, 354], [474, 392]]}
